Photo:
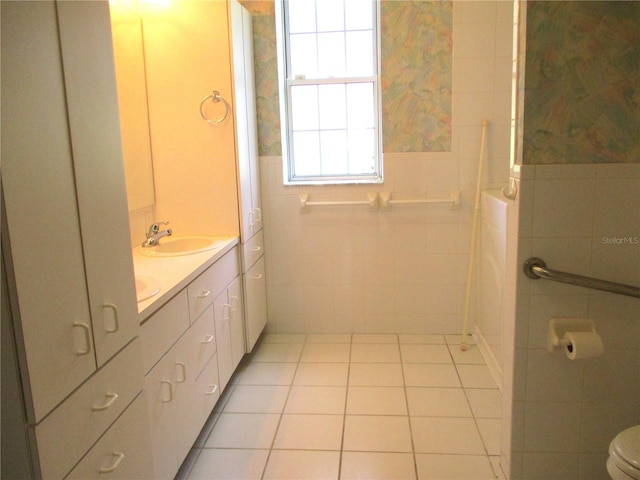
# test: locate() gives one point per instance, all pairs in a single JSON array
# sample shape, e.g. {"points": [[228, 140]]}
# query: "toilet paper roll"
{"points": [[583, 345]]}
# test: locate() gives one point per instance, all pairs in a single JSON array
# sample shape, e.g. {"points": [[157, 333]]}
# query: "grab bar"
{"points": [[536, 268], [386, 201], [305, 203]]}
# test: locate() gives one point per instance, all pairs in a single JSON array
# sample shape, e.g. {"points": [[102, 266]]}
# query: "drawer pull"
{"points": [[170, 397], [111, 397], [258, 214], [256, 249], [208, 339], [87, 338], [234, 304], [257, 276], [116, 322], [212, 389], [204, 294], [183, 367], [118, 456]]}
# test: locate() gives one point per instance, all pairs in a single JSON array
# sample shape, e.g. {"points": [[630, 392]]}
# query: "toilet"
{"points": [[624, 455]]}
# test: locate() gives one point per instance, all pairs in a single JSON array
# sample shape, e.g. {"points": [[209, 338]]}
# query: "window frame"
{"points": [[285, 83]]}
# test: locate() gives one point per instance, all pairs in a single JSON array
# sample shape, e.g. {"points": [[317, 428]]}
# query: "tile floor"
{"points": [[354, 407]]}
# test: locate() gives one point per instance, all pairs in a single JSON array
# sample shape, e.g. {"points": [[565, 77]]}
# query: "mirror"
{"points": [[128, 51]]}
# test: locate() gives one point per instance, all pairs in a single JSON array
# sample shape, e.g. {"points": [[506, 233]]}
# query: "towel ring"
{"points": [[215, 98]]}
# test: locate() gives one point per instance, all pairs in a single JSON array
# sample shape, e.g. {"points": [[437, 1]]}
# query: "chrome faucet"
{"points": [[154, 234]]}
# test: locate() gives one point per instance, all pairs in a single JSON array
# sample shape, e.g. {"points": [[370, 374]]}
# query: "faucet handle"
{"points": [[155, 227]]}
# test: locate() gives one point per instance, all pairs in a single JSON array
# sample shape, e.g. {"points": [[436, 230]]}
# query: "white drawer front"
{"points": [[66, 434], [124, 452], [208, 286], [163, 328], [252, 250]]}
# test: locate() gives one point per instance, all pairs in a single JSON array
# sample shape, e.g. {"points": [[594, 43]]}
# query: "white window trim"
{"points": [[284, 86]]}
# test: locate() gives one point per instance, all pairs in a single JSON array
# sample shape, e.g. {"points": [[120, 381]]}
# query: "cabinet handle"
{"points": [[208, 339], [252, 218], [257, 276], [258, 214], [118, 456], [87, 337], [212, 389], [256, 249], [170, 399], [204, 294], [226, 308], [111, 397], [234, 304], [183, 367], [116, 321]]}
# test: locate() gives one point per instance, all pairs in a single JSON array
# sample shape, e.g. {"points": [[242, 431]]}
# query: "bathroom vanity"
{"points": [[95, 382]]}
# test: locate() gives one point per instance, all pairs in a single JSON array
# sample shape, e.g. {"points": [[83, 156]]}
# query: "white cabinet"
{"points": [[191, 346], [247, 155], [245, 121], [63, 184], [69, 270]]}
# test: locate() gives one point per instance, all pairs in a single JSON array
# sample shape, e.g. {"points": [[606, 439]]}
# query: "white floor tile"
{"points": [[475, 376], [376, 401], [375, 338], [375, 353], [229, 464], [283, 338], [377, 466], [414, 353], [257, 399], [376, 374], [471, 355], [368, 433], [243, 430], [309, 432], [426, 339], [325, 353], [485, 402], [437, 402], [490, 432], [454, 467], [302, 465], [277, 352], [316, 399], [329, 338], [430, 375], [327, 374], [446, 435], [263, 373]]}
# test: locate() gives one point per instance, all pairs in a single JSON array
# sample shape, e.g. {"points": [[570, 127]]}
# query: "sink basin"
{"points": [[146, 288], [175, 246]]}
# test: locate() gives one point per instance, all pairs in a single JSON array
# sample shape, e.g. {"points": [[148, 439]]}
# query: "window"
{"points": [[329, 93]]}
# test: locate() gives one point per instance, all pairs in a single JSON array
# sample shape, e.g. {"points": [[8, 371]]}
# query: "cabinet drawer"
{"points": [[202, 340], [124, 452], [214, 280], [163, 328], [252, 250], [208, 388], [66, 434]]}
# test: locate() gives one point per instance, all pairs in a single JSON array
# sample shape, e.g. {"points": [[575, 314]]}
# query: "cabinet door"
{"points": [[222, 314], [255, 299], [237, 322], [246, 122], [124, 452], [87, 55], [41, 207], [161, 406]]}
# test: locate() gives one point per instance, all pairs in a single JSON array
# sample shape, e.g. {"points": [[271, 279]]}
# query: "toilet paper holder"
{"points": [[558, 327]]}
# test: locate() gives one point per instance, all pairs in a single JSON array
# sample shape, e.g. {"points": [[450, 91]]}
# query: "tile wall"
{"points": [[583, 219], [345, 269]]}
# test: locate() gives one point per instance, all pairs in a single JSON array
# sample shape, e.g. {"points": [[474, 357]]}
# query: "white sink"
{"points": [[146, 287], [175, 246]]}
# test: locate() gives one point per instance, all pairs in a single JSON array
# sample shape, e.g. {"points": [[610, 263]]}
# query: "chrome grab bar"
{"points": [[536, 268]]}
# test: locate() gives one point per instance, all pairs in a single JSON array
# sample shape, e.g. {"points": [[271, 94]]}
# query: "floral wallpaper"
{"points": [[417, 39], [582, 82]]}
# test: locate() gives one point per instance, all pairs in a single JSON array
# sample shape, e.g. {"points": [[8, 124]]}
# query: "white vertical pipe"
{"points": [[474, 234]]}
